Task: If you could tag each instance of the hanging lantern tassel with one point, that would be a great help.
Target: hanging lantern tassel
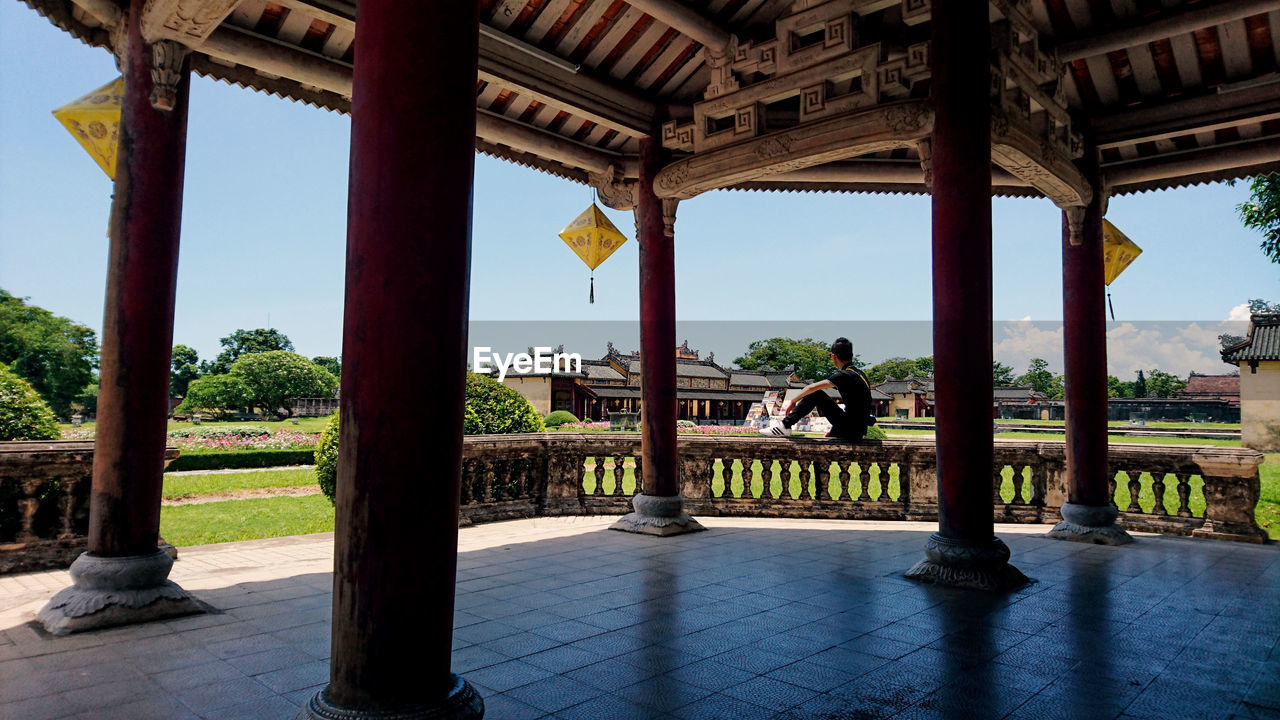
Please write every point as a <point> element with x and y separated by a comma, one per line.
<point>592,297</point>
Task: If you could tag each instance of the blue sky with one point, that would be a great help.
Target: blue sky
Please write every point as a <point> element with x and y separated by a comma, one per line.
<point>264,231</point>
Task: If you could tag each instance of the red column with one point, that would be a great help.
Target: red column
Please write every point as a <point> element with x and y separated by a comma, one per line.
<point>965,551</point>
<point>1088,514</point>
<point>137,327</point>
<point>962,267</point>
<point>1085,349</point>
<point>657,332</point>
<point>408,269</point>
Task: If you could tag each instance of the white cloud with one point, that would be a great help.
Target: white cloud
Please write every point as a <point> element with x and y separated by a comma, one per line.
<point>1172,347</point>
<point>1024,340</point>
<point>1239,313</point>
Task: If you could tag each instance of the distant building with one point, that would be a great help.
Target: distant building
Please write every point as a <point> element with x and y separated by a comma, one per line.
<point>1022,402</point>
<point>1258,358</point>
<point>906,398</point>
<point>705,391</point>
<point>1212,387</point>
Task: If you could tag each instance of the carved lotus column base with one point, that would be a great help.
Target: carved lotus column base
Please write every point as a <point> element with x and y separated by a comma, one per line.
<point>111,591</point>
<point>657,515</point>
<point>957,563</point>
<point>1090,524</point>
<point>462,703</point>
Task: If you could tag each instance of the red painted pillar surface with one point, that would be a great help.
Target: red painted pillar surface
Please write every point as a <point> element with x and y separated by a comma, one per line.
<point>1088,515</point>
<point>962,267</point>
<point>964,552</point>
<point>404,338</point>
<point>1085,345</point>
<point>657,333</point>
<point>137,327</point>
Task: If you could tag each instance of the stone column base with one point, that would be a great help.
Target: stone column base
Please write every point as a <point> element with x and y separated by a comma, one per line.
<point>657,515</point>
<point>1090,524</point>
<point>462,703</point>
<point>116,591</point>
<point>957,563</point>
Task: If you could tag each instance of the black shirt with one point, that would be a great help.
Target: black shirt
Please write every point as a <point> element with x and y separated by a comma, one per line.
<point>855,391</point>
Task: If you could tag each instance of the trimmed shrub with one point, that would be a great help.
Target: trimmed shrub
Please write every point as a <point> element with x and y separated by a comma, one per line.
<point>24,415</point>
<point>274,379</point>
<point>217,394</point>
<point>558,418</point>
<point>241,459</point>
<point>326,458</point>
<point>875,432</point>
<point>493,408</point>
<point>686,423</point>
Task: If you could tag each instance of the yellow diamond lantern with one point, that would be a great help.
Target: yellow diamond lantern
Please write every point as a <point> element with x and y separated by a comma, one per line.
<point>1117,252</point>
<point>94,120</point>
<point>593,238</point>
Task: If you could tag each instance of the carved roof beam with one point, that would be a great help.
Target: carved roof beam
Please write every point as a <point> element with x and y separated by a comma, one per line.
<point>875,171</point>
<point>1189,115</point>
<point>688,21</point>
<point>860,132</point>
<point>1224,157</point>
<point>1171,23</point>
<point>1042,162</point>
<point>499,130</point>
<point>566,89</point>
<point>189,22</point>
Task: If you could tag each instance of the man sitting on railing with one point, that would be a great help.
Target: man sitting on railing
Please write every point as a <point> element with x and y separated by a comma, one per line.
<point>849,423</point>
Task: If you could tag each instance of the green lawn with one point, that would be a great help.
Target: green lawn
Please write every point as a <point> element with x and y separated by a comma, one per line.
<point>179,486</point>
<point>1268,514</point>
<point>234,520</point>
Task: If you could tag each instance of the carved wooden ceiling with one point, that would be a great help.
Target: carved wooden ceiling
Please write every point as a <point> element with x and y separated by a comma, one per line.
<point>796,94</point>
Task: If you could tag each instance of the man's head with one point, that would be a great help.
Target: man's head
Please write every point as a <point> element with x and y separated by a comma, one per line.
<point>842,351</point>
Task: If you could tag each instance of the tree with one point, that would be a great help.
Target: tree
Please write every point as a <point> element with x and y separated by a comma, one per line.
<point>811,358</point>
<point>924,365</point>
<point>1041,380</point>
<point>186,367</point>
<point>246,342</point>
<point>334,365</point>
<point>1163,384</point>
<point>1002,374</point>
<point>900,368</point>
<point>274,379</point>
<point>1140,386</point>
<point>54,354</point>
<point>1261,212</point>
<point>24,415</point>
<point>217,394</point>
<point>1116,388</point>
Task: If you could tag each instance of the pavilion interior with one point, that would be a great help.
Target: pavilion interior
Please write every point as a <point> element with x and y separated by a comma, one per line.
<point>754,618</point>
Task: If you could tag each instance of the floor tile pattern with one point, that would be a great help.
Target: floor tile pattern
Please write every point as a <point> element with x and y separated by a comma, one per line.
<point>561,618</point>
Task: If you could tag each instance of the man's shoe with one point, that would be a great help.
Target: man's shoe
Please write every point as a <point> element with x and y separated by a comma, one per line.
<point>776,429</point>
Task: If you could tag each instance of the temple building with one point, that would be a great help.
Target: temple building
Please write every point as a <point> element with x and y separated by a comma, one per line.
<point>706,391</point>
<point>1258,358</point>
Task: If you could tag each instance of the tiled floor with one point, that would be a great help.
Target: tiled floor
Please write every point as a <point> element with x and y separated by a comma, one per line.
<point>753,619</point>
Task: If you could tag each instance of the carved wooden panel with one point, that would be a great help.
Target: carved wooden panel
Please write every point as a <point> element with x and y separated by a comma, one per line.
<point>187,21</point>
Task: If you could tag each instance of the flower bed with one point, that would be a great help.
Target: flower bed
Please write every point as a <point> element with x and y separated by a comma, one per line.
<point>231,438</point>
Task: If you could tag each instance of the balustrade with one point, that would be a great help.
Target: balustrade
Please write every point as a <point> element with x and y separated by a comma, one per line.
<point>1185,490</point>
<point>44,502</point>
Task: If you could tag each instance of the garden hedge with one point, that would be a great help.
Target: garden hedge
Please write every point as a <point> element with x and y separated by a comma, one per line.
<point>241,459</point>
